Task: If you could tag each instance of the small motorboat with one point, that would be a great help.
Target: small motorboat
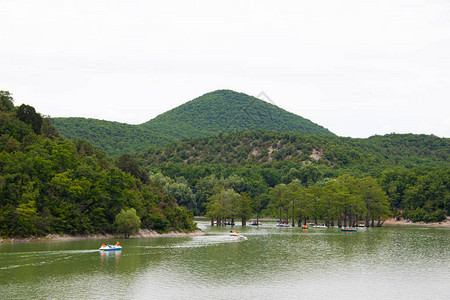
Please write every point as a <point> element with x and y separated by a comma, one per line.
<point>305,226</point>
<point>234,233</point>
<point>361,225</point>
<point>283,224</point>
<point>348,229</point>
<point>108,247</point>
<point>229,223</point>
<point>254,223</point>
<point>320,226</point>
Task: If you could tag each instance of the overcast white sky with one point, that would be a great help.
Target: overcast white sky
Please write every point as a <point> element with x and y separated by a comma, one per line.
<point>358,68</point>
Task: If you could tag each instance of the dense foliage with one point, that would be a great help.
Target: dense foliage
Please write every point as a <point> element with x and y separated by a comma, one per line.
<point>51,185</point>
<point>112,137</point>
<point>212,113</point>
<point>255,162</point>
<point>346,199</point>
<point>284,148</point>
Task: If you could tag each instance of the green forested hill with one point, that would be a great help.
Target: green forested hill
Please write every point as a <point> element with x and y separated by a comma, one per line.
<point>229,111</point>
<point>287,148</point>
<point>52,185</point>
<point>113,137</point>
<point>212,113</point>
<point>412,170</point>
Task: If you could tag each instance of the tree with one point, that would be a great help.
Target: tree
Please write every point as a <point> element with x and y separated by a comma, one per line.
<point>27,114</point>
<point>308,174</point>
<point>375,200</point>
<point>223,205</point>
<point>244,208</point>
<point>129,165</point>
<point>128,222</point>
<point>183,194</point>
<point>280,200</point>
<point>6,101</point>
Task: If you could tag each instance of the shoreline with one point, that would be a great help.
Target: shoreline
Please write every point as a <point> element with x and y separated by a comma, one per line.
<point>388,222</point>
<point>403,222</point>
<point>142,233</point>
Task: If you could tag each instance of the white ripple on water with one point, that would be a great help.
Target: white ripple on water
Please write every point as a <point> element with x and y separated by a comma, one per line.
<point>201,241</point>
<point>41,253</point>
<point>23,256</point>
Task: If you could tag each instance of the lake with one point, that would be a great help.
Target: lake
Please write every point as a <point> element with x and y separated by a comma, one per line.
<point>264,263</point>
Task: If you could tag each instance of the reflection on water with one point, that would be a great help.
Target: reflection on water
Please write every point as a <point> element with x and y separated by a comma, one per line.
<point>264,262</point>
<point>110,255</point>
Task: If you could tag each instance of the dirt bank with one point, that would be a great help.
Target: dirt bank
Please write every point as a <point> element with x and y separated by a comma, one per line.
<point>141,234</point>
<point>403,222</point>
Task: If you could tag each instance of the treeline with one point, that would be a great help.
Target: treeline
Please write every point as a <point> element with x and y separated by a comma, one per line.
<point>412,170</point>
<point>51,185</point>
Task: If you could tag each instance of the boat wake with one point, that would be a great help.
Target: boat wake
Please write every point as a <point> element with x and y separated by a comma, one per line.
<point>202,241</point>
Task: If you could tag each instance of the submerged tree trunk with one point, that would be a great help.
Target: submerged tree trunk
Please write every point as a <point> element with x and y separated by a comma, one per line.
<point>373,221</point>
<point>244,222</point>
<point>379,223</point>
<point>212,222</point>
<point>332,222</point>
<point>280,214</point>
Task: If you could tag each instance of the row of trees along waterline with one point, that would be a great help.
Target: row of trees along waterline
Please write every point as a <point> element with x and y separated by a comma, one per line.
<point>343,201</point>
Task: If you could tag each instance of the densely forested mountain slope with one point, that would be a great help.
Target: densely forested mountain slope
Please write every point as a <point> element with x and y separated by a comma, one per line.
<point>286,148</point>
<point>212,113</point>
<point>113,137</point>
<point>412,170</point>
<point>52,185</point>
<point>229,111</point>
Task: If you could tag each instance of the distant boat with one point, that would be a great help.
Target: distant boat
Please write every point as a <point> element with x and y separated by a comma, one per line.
<point>361,225</point>
<point>229,223</point>
<point>283,224</point>
<point>305,226</point>
<point>348,229</point>
<point>234,233</point>
<point>110,248</point>
<point>320,226</point>
<point>254,223</point>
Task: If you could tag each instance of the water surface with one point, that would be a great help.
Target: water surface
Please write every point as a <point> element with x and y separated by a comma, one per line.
<point>267,262</point>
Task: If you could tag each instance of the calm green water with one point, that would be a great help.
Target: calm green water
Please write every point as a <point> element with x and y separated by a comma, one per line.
<point>268,262</point>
